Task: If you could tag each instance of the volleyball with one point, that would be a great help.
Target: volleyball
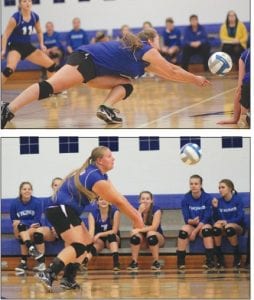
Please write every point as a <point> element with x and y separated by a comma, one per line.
<point>190,153</point>
<point>220,63</point>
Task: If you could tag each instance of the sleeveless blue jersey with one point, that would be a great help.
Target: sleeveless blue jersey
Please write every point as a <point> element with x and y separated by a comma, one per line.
<point>100,225</point>
<point>23,30</point>
<point>154,210</point>
<point>113,58</point>
<point>68,193</point>
<point>201,207</point>
<point>231,211</point>
<point>245,57</point>
<point>28,213</point>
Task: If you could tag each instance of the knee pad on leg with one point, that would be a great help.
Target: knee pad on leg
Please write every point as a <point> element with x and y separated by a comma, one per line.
<point>90,248</point>
<point>111,238</point>
<point>38,238</point>
<point>152,240</point>
<point>128,89</point>
<point>52,68</point>
<point>8,72</point>
<point>135,240</point>
<point>45,90</point>
<point>79,248</point>
<point>183,234</point>
<point>230,231</point>
<point>21,227</point>
<point>217,231</point>
<point>207,232</point>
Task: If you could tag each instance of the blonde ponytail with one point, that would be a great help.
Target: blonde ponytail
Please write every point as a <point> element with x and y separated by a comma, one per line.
<point>131,41</point>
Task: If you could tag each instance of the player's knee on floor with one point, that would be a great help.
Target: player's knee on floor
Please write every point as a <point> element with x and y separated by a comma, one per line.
<point>7,72</point>
<point>217,231</point>
<point>230,231</point>
<point>52,68</point>
<point>111,238</point>
<point>135,240</point>
<point>207,232</point>
<point>152,240</point>
<point>45,90</point>
<point>183,234</point>
<point>38,238</point>
<point>79,248</point>
<point>128,89</point>
<point>21,227</point>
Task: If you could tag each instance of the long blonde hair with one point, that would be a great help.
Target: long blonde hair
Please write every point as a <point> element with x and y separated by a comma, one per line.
<point>96,153</point>
<point>134,42</point>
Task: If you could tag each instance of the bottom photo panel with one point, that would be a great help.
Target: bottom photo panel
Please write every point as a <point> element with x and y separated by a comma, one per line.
<point>112,217</point>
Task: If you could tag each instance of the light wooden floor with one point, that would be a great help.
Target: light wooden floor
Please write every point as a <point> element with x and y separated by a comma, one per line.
<point>155,103</point>
<point>146,284</point>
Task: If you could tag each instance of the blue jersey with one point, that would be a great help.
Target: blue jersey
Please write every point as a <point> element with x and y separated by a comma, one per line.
<point>53,40</point>
<point>23,30</point>
<point>77,38</point>
<point>231,211</point>
<point>245,57</point>
<point>172,38</point>
<point>113,58</point>
<point>28,213</point>
<point>69,195</point>
<point>103,225</point>
<point>201,207</point>
<point>154,210</point>
<point>193,36</point>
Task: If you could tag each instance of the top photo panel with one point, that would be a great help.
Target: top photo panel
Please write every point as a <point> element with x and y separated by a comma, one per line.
<point>125,64</point>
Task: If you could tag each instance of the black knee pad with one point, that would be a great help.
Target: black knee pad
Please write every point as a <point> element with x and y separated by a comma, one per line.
<point>152,240</point>
<point>183,234</point>
<point>52,68</point>
<point>79,249</point>
<point>90,248</point>
<point>230,231</point>
<point>45,90</point>
<point>7,72</point>
<point>128,89</point>
<point>21,227</point>
<point>135,240</point>
<point>38,238</point>
<point>217,231</point>
<point>111,238</point>
<point>207,232</point>
<point>21,241</point>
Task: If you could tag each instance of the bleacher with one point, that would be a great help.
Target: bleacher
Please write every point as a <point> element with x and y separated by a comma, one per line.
<point>172,221</point>
<point>212,31</point>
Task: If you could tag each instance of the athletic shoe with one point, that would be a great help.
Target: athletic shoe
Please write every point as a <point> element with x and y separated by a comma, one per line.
<point>40,267</point>
<point>209,264</point>
<point>133,266</point>
<point>69,284</point>
<point>109,115</point>
<point>6,115</point>
<point>35,253</point>
<point>47,279</point>
<point>116,267</point>
<point>237,261</point>
<point>220,262</point>
<point>156,265</point>
<point>22,267</point>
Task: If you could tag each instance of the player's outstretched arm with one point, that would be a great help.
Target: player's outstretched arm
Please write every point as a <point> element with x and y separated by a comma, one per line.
<point>166,70</point>
<point>106,190</point>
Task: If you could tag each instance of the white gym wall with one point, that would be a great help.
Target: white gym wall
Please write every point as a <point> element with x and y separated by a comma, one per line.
<point>101,14</point>
<point>161,171</point>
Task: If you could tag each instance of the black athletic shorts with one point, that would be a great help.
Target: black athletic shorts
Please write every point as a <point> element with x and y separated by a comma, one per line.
<point>23,49</point>
<point>245,95</point>
<point>61,217</point>
<point>85,64</point>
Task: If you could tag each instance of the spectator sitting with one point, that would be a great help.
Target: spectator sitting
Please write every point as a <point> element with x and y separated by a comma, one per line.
<point>171,41</point>
<point>147,25</point>
<point>195,42</point>
<point>100,36</point>
<point>234,36</point>
<point>76,37</point>
<point>124,29</point>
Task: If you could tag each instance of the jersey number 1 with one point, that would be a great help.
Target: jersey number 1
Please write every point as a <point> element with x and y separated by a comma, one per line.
<point>27,30</point>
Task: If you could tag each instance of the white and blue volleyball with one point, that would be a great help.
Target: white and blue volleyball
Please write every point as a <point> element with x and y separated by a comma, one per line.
<point>220,63</point>
<point>190,153</point>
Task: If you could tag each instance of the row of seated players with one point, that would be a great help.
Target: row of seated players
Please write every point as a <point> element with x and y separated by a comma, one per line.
<point>233,36</point>
<point>204,216</point>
